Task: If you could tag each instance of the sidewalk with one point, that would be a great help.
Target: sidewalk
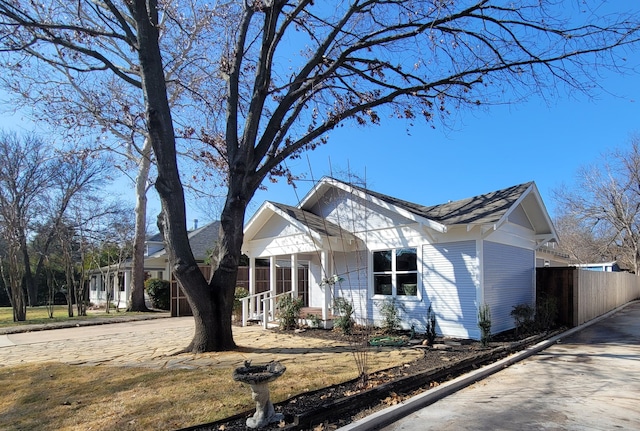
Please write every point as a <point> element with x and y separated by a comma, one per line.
<point>586,378</point>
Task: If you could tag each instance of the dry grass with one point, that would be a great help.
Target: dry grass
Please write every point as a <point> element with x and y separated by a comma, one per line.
<point>54,396</point>
<point>40,315</point>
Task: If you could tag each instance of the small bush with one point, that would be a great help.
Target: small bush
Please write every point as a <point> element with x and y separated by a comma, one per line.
<point>431,326</point>
<point>240,293</point>
<point>288,311</point>
<point>523,316</point>
<point>546,312</point>
<point>315,320</point>
<point>159,292</point>
<point>344,308</point>
<point>484,323</point>
<point>390,310</point>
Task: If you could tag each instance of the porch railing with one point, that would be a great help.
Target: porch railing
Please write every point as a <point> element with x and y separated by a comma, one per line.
<point>261,306</point>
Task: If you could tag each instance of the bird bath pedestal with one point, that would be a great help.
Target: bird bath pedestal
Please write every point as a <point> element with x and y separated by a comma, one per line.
<point>258,377</point>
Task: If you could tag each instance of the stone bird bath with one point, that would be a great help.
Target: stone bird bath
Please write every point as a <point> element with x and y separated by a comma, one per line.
<point>258,377</point>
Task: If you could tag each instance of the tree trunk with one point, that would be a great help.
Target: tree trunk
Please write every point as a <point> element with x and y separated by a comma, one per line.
<point>212,304</point>
<point>16,277</point>
<point>172,220</point>
<point>136,301</point>
<point>29,282</point>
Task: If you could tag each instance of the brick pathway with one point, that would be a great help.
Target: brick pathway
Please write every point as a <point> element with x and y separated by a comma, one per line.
<point>156,343</point>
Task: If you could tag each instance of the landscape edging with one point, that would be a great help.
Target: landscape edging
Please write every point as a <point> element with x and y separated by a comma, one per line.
<point>391,414</point>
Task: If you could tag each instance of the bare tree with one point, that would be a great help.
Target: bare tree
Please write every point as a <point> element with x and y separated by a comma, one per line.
<point>606,199</point>
<point>114,111</point>
<point>76,175</point>
<point>37,184</point>
<point>288,72</point>
<point>584,241</point>
<point>25,175</point>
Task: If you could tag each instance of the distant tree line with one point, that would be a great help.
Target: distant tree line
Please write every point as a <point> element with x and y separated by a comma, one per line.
<point>56,223</point>
<point>598,218</point>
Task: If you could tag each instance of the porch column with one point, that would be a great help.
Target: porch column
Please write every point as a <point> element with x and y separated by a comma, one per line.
<point>325,272</point>
<point>272,286</point>
<point>294,276</point>
<point>252,275</point>
<point>249,308</point>
<point>127,287</point>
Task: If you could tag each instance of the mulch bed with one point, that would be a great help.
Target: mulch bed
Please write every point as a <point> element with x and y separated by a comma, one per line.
<point>332,407</point>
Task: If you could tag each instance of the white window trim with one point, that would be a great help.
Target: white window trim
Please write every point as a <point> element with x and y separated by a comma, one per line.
<point>394,293</point>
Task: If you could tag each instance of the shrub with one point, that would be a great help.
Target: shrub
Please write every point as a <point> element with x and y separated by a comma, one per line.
<point>484,323</point>
<point>523,315</point>
<point>344,322</point>
<point>288,311</point>
<point>159,292</point>
<point>315,320</point>
<point>390,310</point>
<point>431,326</point>
<point>240,293</point>
<point>546,312</point>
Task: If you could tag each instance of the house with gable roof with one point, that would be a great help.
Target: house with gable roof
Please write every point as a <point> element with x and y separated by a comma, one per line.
<point>368,248</point>
<point>115,282</point>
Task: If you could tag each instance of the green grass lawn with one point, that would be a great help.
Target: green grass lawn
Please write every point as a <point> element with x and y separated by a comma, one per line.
<point>38,315</point>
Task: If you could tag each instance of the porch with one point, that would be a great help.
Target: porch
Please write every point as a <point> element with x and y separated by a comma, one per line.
<point>296,276</point>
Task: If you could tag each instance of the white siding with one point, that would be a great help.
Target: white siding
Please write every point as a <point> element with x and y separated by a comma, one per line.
<point>508,281</point>
<point>316,294</point>
<point>274,227</point>
<point>356,215</point>
<point>352,268</point>
<point>450,280</point>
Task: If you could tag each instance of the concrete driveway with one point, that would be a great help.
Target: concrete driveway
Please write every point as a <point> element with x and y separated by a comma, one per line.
<point>589,380</point>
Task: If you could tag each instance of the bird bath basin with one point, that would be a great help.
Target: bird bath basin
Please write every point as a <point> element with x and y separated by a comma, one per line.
<point>258,377</point>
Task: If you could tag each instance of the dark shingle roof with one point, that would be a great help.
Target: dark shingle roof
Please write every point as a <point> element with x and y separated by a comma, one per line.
<point>482,209</point>
<point>201,240</point>
<point>314,222</point>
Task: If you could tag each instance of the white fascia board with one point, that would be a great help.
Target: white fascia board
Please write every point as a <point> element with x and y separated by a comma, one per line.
<point>316,190</point>
<point>506,215</point>
<point>545,213</point>
<point>543,239</point>
<point>254,224</point>
<point>303,228</point>
<point>433,225</point>
<point>438,227</point>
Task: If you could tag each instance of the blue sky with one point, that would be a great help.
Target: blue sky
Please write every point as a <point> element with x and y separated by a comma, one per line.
<point>485,150</point>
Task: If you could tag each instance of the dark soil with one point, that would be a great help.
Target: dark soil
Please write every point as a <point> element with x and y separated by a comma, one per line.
<point>339,405</point>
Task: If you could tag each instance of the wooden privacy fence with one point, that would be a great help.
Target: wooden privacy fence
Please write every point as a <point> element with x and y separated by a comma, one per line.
<point>583,295</point>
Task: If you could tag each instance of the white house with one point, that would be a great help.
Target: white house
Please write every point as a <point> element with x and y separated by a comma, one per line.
<point>116,282</point>
<point>368,247</point>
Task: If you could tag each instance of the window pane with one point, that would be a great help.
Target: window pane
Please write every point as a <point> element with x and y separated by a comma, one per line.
<point>382,261</point>
<point>382,285</point>
<point>406,259</point>
<point>407,284</point>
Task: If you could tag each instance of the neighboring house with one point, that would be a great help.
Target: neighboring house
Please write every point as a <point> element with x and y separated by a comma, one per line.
<point>602,266</point>
<point>549,255</point>
<point>156,265</point>
<point>368,248</point>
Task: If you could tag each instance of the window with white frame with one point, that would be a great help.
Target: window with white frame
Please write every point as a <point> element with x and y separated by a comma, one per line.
<point>395,272</point>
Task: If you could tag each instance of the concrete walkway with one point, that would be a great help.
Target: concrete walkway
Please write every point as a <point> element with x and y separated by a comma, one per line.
<point>156,344</point>
<point>587,380</point>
